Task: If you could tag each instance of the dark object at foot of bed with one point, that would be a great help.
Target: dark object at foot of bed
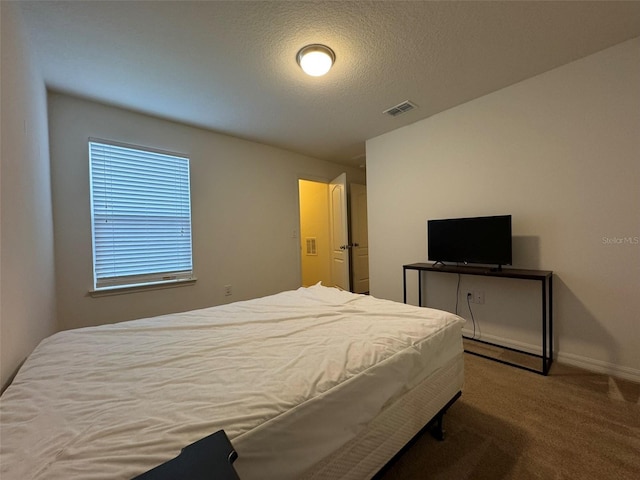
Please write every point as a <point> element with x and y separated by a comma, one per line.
<point>208,458</point>
<point>435,428</point>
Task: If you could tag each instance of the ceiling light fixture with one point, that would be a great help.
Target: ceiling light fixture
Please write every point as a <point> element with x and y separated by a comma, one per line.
<point>316,59</point>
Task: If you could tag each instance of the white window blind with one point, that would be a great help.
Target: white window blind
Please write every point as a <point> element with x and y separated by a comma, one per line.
<point>141,216</point>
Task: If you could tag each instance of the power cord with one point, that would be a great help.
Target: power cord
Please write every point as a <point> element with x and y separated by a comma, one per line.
<point>457,293</point>
<point>473,320</point>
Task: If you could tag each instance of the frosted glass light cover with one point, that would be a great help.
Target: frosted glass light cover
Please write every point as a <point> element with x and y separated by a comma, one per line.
<point>316,60</point>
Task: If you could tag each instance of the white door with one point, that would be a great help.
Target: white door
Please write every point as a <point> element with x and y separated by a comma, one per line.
<point>359,238</point>
<point>339,232</point>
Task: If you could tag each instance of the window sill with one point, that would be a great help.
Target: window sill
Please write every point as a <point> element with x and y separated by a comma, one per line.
<point>124,289</point>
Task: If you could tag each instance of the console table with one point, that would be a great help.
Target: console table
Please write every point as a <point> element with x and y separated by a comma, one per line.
<point>545,277</point>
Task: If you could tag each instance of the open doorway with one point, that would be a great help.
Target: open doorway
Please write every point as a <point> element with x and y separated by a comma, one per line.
<point>333,234</point>
<point>315,261</point>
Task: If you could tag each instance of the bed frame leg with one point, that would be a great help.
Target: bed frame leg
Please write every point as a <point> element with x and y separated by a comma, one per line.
<point>437,430</point>
<point>436,426</point>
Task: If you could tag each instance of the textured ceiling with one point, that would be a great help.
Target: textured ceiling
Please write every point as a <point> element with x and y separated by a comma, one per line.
<point>230,66</point>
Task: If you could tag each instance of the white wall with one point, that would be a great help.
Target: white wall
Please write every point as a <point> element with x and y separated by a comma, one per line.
<point>27,302</point>
<point>560,152</point>
<point>244,212</point>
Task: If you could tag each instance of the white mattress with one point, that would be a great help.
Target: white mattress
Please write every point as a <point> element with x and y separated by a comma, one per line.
<point>291,378</point>
<point>387,433</point>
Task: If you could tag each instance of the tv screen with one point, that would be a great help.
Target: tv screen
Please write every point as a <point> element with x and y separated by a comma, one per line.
<point>484,240</point>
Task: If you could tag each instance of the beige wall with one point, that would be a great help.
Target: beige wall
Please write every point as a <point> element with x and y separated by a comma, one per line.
<point>27,302</point>
<point>560,152</point>
<point>244,212</point>
<point>314,222</point>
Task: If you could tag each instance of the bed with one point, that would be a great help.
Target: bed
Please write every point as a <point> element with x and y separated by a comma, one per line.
<point>311,383</point>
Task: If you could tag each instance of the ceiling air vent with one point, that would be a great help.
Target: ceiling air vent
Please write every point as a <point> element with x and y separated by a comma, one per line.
<point>400,108</point>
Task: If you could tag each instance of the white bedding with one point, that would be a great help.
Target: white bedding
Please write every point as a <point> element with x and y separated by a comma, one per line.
<point>289,377</point>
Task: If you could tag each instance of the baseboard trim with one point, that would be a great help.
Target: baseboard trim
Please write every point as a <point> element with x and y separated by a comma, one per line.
<point>505,342</point>
<point>586,363</point>
<point>599,366</point>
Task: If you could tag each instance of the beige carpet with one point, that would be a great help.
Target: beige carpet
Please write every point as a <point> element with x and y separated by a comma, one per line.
<point>514,424</point>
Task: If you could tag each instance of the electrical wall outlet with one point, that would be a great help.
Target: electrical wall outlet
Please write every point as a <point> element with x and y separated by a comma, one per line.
<point>478,296</point>
<point>227,290</point>
<point>470,297</point>
<point>475,296</point>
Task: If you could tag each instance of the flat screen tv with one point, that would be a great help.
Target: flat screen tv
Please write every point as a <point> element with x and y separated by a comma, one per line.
<point>484,240</point>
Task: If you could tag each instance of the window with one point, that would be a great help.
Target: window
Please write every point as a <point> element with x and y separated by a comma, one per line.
<point>140,215</point>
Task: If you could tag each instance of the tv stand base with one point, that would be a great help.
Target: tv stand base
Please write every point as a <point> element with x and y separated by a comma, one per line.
<point>545,278</point>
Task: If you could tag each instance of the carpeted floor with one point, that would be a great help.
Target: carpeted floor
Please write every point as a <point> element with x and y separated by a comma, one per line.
<point>514,424</point>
